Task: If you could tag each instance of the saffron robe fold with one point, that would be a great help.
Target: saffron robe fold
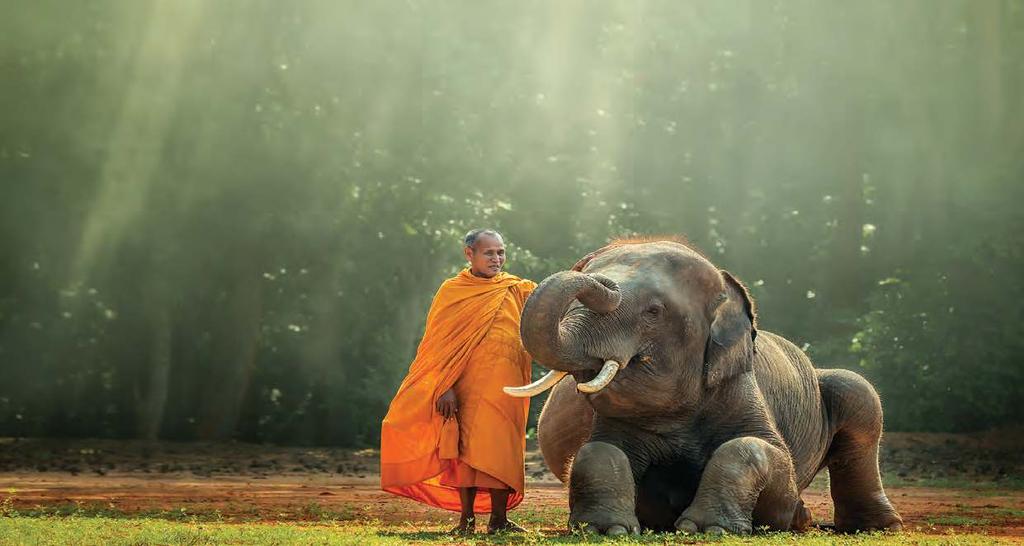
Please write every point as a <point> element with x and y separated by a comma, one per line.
<point>472,321</point>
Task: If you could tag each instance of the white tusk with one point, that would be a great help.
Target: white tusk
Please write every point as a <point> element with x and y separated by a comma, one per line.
<point>537,387</point>
<point>604,377</point>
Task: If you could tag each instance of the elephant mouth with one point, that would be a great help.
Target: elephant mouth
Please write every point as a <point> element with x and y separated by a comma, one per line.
<point>588,380</point>
<point>584,376</point>
<point>589,376</point>
<point>600,380</point>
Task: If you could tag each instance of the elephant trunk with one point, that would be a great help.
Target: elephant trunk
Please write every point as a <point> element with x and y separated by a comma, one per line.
<point>545,334</point>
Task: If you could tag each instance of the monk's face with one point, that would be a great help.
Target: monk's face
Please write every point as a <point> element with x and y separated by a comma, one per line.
<point>486,257</point>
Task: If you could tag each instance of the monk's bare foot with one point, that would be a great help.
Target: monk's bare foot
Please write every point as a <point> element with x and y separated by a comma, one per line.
<point>505,526</point>
<point>466,526</point>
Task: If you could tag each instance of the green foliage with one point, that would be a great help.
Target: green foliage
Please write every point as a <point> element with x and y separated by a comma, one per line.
<point>226,220</point>
<point>943,345</point>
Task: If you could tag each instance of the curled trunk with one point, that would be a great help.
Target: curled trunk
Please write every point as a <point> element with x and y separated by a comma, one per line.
<point>544,333</point>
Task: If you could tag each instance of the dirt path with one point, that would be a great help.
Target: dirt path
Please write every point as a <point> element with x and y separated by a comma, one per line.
<point>314,497</point>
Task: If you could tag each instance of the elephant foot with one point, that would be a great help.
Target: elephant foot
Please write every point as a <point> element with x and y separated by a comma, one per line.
<point>873,513</point>
<point>605,524</point>
<point>885,521</point>
<point>601,491</point>
<point>744,474</point>
<point>891,527</point>
<point>695,520</point>
<point>802,519</point>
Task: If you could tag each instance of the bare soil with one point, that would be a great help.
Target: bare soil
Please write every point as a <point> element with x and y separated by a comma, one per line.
<point>938,482</point>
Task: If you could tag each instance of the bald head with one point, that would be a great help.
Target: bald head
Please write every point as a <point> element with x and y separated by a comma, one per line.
<point>474,234</point>
<point>485,252</point>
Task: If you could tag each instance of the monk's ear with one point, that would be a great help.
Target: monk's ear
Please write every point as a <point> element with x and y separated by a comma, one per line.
<point>729,350</point>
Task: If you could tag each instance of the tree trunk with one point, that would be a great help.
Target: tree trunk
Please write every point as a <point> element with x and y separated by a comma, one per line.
<point>236,347</point>
<point>151,409</point>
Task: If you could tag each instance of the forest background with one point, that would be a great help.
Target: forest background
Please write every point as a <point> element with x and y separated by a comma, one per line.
<point>226,220</point>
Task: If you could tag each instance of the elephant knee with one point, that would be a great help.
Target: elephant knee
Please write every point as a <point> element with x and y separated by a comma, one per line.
<point>601,487</point>
<point>744,459</point>
<point>599,463</point>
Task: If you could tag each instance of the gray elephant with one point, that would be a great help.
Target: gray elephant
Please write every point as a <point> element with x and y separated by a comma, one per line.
<point>672,411</point>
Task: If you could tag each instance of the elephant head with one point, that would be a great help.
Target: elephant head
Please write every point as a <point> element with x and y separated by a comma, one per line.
<point>644,327</point>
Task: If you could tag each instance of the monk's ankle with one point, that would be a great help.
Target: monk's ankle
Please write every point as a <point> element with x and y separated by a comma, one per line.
<point>503,525</point>
<point>467,526</point>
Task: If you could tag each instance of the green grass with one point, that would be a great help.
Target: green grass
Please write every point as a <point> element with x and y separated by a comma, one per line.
<point>312,523</point>
<point>992,510</point>
<point>961,521</point>
<point>80,510</point>
<point>1008,484</point>
<point>116,531</point>
<point>310,512</point>
<point>1004,512</point>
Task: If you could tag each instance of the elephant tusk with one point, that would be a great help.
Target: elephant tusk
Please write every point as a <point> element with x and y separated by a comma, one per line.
<point>604,377</point>
<point>537,387</point>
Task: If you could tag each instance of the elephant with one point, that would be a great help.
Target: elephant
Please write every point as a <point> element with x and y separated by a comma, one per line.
<point>671,411</point>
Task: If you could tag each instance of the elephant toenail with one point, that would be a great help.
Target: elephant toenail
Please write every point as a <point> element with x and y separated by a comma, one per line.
<point>714,530</point>
<point>687,526</point>
<point>616,531</point>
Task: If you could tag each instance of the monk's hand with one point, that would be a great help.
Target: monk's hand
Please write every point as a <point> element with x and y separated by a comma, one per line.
<point>447,405</point>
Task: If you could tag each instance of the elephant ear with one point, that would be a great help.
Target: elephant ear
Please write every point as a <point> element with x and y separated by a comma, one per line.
<point>730,346</point>
<point>584,261</point>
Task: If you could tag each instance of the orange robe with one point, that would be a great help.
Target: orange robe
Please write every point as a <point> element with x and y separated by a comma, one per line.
<point>471,343</point>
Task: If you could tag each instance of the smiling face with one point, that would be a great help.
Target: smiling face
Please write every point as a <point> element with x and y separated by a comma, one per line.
<point>487,255</point>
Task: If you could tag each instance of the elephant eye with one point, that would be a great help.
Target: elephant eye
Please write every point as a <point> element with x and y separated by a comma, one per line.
<point>653,310</point>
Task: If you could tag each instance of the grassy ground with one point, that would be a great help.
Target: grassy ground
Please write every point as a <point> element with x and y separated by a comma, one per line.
<point>93,524</point>
<point>950,489</point>
<point>955,517</point>
<point>116,531</point>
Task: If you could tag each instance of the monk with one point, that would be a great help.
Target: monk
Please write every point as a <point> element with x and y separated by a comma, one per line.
<point>450,430</point>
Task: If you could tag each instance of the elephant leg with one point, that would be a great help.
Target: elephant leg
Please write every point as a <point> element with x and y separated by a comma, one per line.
<point>802,519</point>
<point>746,480</point>
<point>855,417</point>
<point>602,493</point>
